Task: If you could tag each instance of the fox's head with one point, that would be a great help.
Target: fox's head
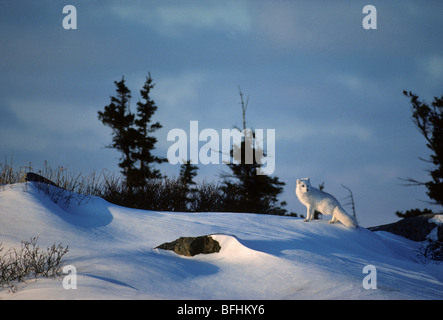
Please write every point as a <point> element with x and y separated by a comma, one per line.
<point>304,184</point>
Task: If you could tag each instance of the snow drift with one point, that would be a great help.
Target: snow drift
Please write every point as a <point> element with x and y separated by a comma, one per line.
<point>261,256</point>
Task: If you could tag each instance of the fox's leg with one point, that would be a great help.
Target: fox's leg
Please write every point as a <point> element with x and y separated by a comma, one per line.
<point>333,220</point>
<point>309,213</point>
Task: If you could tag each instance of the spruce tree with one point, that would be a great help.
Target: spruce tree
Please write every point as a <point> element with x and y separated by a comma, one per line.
<point>245,190</point>
<point>132,134</point>
<point>145,141</point>
<point>119,118</point>
<point>188,172</point>
<point>429,121</point>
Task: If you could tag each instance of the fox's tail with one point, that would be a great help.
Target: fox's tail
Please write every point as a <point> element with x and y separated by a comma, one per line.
<point>344,218</point>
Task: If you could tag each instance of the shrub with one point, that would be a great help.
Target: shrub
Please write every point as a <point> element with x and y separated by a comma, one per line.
<point>412,213</point>
<point>206,197</point>
<point>159,194</point>
<point>30,262</point>
<point>429,251</point>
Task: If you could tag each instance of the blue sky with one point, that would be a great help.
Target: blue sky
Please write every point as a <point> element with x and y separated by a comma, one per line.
<point>331,89</point>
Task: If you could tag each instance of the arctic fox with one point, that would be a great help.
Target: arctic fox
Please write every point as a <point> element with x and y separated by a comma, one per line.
<point>315,199</point>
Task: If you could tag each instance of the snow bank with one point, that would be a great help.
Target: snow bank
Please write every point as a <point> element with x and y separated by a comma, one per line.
<point>261,256</point>
<point>437,219</point>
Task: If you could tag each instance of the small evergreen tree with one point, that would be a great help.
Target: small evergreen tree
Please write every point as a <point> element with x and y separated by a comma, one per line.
<point>429,121</point>
<point>119,118</point>
<point>188,172</point>
<point>144,140</point>
<point>132,133</point>
<point>245,190</point>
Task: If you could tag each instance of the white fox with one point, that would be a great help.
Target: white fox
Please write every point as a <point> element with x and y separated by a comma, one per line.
<point>315,199</point>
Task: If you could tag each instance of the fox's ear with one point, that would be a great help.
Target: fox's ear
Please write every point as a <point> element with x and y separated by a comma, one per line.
<point>298,181</point>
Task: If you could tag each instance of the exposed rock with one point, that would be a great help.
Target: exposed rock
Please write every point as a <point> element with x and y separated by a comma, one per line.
<point>190,246</point>
<point>31,176</point>
<point>415,228</point>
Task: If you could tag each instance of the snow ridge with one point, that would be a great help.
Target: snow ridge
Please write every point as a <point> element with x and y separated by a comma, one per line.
<point>261,256</point>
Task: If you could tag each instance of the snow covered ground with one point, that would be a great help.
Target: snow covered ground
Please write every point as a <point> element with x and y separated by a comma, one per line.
<point>261,257</point>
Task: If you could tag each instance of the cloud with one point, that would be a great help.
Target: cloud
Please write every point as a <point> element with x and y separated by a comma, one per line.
<point>178,18</point>
<point>175,91</point>
<point>38,124</point>
<point>434,66</point>
<point>306,25</point>
<point>351,82</point>
<point>336,129</point>
<point>178,101</point>
<point>279,23</point>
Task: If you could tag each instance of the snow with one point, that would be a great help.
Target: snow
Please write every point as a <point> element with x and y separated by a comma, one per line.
<point>261,256</point>
<point>437,219</point>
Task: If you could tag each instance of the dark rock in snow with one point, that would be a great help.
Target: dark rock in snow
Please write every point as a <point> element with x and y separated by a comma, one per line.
<point>415,228</point>
<point>190,246</point>
<point>30,176</point>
